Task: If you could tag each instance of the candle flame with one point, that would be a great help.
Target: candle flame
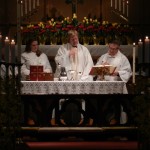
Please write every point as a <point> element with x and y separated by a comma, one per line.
<point>140,40</point>
<point>6,38</point>
<point>133,44</point>
<point>146,37</point>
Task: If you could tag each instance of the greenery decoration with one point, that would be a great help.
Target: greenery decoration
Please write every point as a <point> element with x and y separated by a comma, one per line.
<point>89,27</point>
<point>10,112</point>
<point>142,111</point>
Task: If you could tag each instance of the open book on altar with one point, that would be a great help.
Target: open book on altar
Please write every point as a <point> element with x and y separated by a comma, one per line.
<point>102,70</point>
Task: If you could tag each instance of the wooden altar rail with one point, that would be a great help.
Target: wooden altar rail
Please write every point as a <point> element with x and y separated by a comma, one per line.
<point>86,133</point>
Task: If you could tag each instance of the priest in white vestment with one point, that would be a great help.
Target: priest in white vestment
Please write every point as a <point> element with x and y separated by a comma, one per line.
<point>32,56</point>
<point>75,57</point>
<point>37,112</point>
<point>117,59</point>
<point>122,72</point>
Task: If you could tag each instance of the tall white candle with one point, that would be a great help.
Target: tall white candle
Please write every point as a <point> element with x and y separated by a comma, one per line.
<point>30,1</point>
<point>0,47</point>
<point>115,4</point>
<point>140,51</point>
<point>147,50</point>
<point>111,3</point>
<point>119,5</point>
<point>133,76</point>
<point>38,3</point>
<point>7,50</point>
<point>127,8</point>
<point>33,4</point>
<point>123,7</point>
<point>26,9</point>
<point>21,8</point>
<point>12,51</point>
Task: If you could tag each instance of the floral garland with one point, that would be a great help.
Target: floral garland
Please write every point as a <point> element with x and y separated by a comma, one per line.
<point>55,32</point>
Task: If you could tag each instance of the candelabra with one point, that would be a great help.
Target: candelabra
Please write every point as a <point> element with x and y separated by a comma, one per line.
<point>120,8</point>
<point>28,8</point>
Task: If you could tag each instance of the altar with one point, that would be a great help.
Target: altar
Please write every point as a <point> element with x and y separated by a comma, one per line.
<point>91,92</point>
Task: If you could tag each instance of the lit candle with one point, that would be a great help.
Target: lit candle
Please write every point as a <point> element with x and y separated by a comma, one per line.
<point>119,5</point>
<point>26,10</point>
<point>133,76</point>
<point>123,6</point>
<point>111,3</point>
<point>147,50</point>
<point>7,50</point>
<point>140,51</point>
<point>33,4</point>
<point>127,8</point>
<point>38,3</point>
<point>0,47</point>
<point>12,51</point>
<point>21,8</point>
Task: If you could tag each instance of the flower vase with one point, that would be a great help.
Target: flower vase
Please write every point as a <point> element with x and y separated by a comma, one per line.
<point>53,41</point>
<point>64,40</point>
<point>86,40</point>
<point>96,40</point>
<point>42,42</point>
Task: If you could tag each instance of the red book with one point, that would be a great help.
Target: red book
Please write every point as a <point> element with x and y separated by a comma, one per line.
<point>36,68</point>
<point>39,68</point>
<point>33,69</point>
<point>34,76</point>
<point>36,73</point>
<point>40,76</point>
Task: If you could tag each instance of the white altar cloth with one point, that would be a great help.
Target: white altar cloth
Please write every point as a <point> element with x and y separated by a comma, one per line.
<point>73,87</point>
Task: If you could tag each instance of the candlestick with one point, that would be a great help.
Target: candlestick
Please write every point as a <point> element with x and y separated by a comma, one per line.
<point>140,51</point>
<point>0,47</point>
<point>133,76</point>
<point>7,50</point>
<point>147,50</point>
<point>12,51</point>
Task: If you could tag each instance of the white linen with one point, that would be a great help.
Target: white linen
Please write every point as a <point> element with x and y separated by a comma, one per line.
<point>73,87</point>
<point>83,61</point>
<point>31,58</point>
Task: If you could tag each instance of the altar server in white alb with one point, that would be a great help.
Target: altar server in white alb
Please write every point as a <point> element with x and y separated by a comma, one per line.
<point>76,57</point>
<point>37,111</point>
<point>33,56</point>
<point>122,72</point>
<point>117,59</point>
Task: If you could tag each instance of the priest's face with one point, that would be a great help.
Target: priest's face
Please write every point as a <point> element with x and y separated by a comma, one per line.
<point>113,49</point>
<point>34,46</point>
<point>74,40</point>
